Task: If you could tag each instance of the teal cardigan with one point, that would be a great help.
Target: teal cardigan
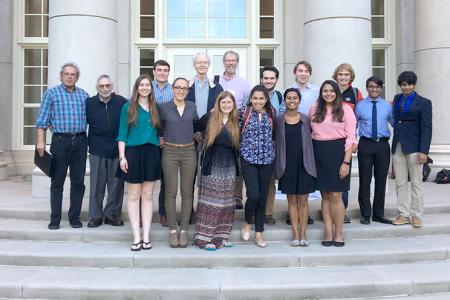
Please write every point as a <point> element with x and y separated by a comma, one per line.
<point>141,133</point>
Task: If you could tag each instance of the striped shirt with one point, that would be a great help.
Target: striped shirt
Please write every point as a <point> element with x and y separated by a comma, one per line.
<point>162,95</point>
<point>62,111</point>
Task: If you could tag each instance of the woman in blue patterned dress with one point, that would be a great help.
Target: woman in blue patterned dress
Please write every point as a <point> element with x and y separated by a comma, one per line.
<point>257,156</point>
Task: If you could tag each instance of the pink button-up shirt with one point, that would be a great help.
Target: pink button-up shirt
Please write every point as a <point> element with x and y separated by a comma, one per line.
<point>329,130</point>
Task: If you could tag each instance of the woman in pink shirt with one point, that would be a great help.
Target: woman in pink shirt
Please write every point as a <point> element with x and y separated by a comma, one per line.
<point>333,128</point>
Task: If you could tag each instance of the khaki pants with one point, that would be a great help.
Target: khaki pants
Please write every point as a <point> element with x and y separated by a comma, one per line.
<point>184,160</point>
<point>405,164</point>
<point>270,197</point>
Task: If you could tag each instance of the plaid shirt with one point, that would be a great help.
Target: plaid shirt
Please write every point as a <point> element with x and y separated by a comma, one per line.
<point>63,111</point>
<point>164,95</point>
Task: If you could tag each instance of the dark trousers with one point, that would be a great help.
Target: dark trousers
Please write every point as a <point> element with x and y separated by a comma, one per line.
<point>162,193</point>
<point>372,156</point>
<point>256,178</point>
<point>102,176</point>
<point>67,152</point>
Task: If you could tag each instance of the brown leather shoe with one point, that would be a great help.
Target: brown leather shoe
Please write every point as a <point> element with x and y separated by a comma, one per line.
<point>269,220</point>
<point>163,220</point>
<point>416,222</point>
<point>183,239</point>
<point>173,238</point>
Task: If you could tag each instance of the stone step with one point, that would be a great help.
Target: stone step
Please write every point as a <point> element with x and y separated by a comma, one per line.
<point>242,255</point>
<point>20,229</point>
<point>225,283</point>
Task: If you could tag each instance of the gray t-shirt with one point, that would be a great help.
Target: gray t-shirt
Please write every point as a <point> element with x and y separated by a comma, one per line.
<point>178,129</point>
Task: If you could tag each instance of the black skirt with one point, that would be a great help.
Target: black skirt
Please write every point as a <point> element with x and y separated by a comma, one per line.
<point>295,180</point>
<point>144,164</point>
<point>329,156</point>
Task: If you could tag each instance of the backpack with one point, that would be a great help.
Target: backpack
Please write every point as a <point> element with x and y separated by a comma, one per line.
<point>442,176</point>
<point>280,97</point>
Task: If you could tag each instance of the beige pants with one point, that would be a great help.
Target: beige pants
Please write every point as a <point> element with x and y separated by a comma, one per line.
<point>405,164</point>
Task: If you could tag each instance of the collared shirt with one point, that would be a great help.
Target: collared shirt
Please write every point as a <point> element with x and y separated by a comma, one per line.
<point>363,113</point>
<point>309,95</point>
<point>63,111</point>
<point>162,95</point>
<point>142,132</point>
<point>238,86</point>
<point>178,129</point>
<point>275,101</point>
<point>201,96</point>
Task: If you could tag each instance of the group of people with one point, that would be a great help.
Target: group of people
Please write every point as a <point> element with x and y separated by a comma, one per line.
<point>222,132</point>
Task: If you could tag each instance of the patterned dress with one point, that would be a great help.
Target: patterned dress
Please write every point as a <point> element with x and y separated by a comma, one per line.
<point>215,208</point>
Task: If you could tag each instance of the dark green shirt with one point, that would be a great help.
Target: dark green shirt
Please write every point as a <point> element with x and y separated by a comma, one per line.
<point>141,133</point>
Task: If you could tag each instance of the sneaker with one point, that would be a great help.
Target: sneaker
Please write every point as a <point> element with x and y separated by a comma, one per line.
<point>401,220</point>
<point>238,204</point>
<point>416,222</point>
<point>347,220</point>
<point>269,220</point>
<point>310,221</point>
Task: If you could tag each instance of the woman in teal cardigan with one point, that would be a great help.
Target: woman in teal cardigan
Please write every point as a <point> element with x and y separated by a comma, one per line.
<point>139,156</point>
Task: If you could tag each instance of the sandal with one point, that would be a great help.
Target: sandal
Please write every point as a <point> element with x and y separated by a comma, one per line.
<point>261,243</point>
<point>294,243</point>
<point>146,245</point>
<point>210,247</point>
<point>245,233</point>
<point>303,243</point>
<point>227,244</point>
<point>137,246</point>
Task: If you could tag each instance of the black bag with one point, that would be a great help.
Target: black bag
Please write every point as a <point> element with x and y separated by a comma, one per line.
<point>442,176</point>
<point>426,169</point>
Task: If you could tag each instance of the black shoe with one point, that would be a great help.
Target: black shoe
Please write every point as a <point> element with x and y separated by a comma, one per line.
<point>53,225</point>
<point>114,221</point>
<point>310,220</point>
<point>76,224</point>
<point>347,220</point>
<point>364,220</point>
<point>238,204</point>
<point>288,220</point>
<point>382,220</point>
<point>327,243</point>
<point>338,244</point>
<point>94,222</point>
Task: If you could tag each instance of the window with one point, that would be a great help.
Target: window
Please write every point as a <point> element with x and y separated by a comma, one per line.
<point>146,60</point>
<point>266,58</point>
<point>266,19</point>
<point>147,19</point>
<point>378,19</point>
<point>379,65</point>
<point>206,19</point>
<point>36,18</point>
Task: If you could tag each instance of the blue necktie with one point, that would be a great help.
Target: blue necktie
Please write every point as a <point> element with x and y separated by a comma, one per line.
<point>374,120</point>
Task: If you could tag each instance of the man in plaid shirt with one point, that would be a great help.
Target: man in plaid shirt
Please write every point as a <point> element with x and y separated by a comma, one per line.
<point>63,111</point>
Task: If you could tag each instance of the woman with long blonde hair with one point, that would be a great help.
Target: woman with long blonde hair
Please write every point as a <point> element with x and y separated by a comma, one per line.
<point>139,158</point>
<point>219,168</point>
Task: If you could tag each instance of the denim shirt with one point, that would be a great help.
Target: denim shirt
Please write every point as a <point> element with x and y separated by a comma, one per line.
<point>257,145</point>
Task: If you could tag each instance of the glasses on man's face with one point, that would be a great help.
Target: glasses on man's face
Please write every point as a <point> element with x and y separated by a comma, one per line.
<point>374,87</point>
<point>106,86</point>
<point>180,88</point>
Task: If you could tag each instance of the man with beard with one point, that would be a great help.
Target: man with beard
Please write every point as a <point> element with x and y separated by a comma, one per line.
<point>103,115</point>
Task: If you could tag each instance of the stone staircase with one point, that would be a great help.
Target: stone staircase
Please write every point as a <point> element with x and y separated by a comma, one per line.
<point>378,261</point>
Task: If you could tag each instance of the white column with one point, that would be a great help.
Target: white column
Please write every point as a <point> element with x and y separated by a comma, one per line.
<point>83,32</point>
<point>432,65</point>
<point>337,32</point>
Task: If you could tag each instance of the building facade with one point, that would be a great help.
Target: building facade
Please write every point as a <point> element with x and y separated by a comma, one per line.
<point>123,38</point>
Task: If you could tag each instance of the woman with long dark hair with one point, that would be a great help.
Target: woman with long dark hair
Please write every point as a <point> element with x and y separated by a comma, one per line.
<point>257,155</point>
<point>140,162</point>
<point>333,132</point>
<point>294,164</point>
<point>219,168</point>
<point>178,156</point>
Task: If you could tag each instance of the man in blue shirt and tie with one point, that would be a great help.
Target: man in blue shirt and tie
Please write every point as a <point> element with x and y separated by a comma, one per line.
<point>373,115</point>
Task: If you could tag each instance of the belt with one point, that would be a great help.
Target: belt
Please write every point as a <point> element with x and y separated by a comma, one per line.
<point>69,134</point>
<point>179,145</point>
<point>375,140</point>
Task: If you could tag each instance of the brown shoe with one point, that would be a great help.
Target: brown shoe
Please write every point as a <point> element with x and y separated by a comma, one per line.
<point>269,220</point>
<point>416,222</point>
<point>163,220</point>
<point>401,220</point>
<point>173,238</point>
<point>183,239</point>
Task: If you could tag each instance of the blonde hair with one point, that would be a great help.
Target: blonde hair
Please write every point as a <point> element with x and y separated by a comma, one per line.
<point>215,123</point>
<point>346,67</point>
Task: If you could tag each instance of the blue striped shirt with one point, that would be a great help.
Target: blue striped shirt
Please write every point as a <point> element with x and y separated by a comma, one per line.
<point>62,111</point>
<point>162,95</point>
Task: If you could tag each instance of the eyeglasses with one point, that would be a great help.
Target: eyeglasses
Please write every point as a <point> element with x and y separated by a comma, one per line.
<point>180,88</point>
<point>374,87</point>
